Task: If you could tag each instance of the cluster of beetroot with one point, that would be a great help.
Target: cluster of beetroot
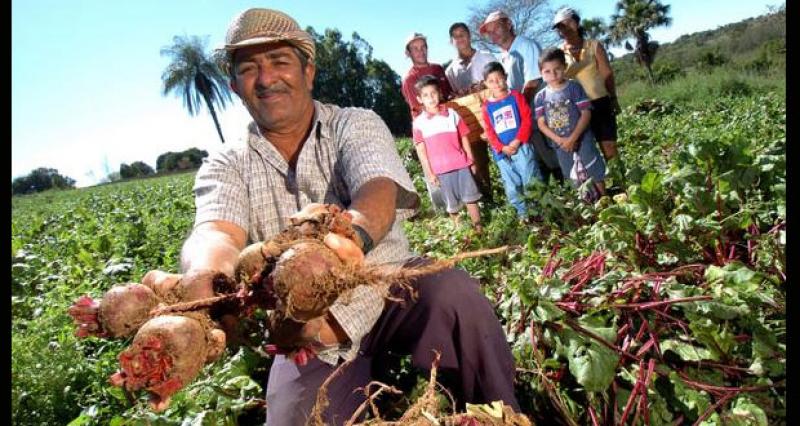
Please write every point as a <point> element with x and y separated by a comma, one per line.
<point>174,327</point>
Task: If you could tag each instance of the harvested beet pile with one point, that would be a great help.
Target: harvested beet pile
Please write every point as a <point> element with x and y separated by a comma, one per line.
<point>295,276</point>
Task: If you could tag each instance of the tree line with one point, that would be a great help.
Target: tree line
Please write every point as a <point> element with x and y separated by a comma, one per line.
<point>45,178</point>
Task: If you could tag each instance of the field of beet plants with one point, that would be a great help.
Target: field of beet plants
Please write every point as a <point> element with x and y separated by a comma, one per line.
<point>661,305</point>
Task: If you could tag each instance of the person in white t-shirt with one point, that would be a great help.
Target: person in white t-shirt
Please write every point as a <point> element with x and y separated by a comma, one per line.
<point>465,72</point>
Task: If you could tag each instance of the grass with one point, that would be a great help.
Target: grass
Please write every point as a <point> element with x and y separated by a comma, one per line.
<point>701,87</point>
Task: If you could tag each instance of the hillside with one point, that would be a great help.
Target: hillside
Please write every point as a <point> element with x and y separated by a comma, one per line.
<point>755,44</point>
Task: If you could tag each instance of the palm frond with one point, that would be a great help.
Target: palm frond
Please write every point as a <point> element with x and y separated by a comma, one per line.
<point>194,76</point>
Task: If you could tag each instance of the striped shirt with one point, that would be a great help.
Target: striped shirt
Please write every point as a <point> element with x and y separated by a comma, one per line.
<point>253,186</point>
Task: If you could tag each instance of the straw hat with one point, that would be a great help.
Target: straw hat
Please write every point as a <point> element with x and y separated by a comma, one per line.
<point>259,26</point>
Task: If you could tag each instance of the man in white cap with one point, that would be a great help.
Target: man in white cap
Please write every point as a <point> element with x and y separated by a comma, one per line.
<point>417,50</point>
<point>299,153</point>
<point>520,58</point>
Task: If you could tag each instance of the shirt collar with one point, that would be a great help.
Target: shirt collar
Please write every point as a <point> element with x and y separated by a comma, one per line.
<point>442,112</point>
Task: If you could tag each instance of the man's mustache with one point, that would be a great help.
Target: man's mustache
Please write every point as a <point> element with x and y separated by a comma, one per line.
<point>278,88</point>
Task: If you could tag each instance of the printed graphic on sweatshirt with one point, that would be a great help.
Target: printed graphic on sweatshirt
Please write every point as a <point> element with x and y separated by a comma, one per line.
<point>504,119</point>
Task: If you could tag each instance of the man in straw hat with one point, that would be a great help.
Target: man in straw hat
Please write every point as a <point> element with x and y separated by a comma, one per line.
<point>300,152</point>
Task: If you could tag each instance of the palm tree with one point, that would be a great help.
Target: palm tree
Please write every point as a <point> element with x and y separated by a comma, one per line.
<point>195,76</point>
<point>634,18</point>
<point>596,29</point>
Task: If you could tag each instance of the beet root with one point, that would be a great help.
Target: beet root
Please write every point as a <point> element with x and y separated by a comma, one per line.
<point>120,312</point>
<point>125,308</point>
<point>305,280</point>
<point>167,353</point>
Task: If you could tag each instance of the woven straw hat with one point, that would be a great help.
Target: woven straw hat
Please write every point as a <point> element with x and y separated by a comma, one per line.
<point>259,26</point>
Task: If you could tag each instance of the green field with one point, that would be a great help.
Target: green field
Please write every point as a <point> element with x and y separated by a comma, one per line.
<point>703,221</point>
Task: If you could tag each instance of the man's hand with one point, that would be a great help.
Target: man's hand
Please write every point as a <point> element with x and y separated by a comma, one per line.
<point>323,332</point>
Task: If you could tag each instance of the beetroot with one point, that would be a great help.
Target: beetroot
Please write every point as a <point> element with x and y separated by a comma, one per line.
<point>304,280</point>
<point>120,312</point>
<point>167,353</point>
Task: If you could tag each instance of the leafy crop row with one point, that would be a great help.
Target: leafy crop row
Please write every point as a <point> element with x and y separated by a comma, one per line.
<point>665,305</point>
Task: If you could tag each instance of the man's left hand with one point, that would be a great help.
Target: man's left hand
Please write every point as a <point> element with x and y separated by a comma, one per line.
<point>323,332</point>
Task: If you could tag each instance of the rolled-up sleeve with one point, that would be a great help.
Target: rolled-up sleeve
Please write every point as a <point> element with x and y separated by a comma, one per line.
<point>220,192</point>
<point>368,151</point>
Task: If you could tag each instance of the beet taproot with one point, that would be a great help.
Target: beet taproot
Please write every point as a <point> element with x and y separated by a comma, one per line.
<point>305,279</point>
<point>166,354</point>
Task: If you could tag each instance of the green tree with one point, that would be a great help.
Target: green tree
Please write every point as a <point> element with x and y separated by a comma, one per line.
<point>39,180</point>
<point>386,99</point>
<point>341,68</point>
<point>596,28</point>
<point>348,75</point>
<point>170,161</point>
<point>135,170</point>
<point>195,76</point>
<point>633,18</point>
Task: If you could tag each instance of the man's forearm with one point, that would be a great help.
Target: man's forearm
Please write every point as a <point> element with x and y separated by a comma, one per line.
<point>212,247</point>
<point>373,207</point>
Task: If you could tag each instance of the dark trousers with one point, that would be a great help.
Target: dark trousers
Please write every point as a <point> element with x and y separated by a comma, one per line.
<point>450,315</point>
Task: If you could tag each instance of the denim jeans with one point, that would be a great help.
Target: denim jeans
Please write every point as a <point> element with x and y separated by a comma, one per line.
<point>516,172</point>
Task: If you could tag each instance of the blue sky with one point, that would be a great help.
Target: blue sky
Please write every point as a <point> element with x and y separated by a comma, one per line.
<point>86,74</point>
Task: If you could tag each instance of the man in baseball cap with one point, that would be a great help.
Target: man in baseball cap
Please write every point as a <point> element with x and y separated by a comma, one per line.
<point>301,153</point>
<point>495,16</point>
<point>416,47</point>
